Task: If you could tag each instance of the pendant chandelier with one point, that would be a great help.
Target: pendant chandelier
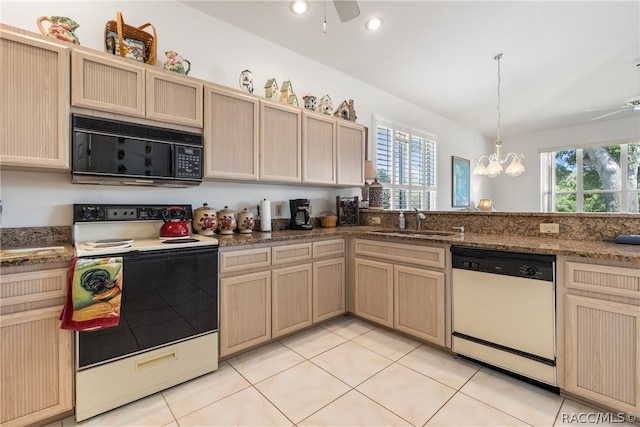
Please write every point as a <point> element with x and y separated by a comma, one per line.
<point>493,167</point>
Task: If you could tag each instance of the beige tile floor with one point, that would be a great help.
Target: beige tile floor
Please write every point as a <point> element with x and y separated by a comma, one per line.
<point>348,373</point>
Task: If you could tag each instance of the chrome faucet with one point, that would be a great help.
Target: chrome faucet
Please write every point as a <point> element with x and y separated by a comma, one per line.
<point>419,217</point>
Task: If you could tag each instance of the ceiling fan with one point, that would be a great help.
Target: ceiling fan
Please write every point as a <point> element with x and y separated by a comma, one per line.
<point>631,104</point>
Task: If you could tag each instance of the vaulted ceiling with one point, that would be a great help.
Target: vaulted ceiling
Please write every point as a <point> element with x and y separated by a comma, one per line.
<point>561,58</point>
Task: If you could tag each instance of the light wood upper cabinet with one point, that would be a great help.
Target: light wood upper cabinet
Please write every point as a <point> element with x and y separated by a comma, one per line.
<point>319,156</point>
<point>173,98</point>
<point>35,89</point>
<point>230,134</point>
<point>280,142</point>
<point>350,139</point>
<point>36,374</point>
<point>107,83</point>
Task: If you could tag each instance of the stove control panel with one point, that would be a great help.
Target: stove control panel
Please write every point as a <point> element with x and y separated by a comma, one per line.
<point>96,213</point>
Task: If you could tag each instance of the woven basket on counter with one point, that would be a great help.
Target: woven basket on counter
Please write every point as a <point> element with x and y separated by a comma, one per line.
<point>328,219</point>
<point>121,39</point>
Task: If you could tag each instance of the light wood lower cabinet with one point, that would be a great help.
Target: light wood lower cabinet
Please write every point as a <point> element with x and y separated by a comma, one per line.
<point>418,301</point>
<point>602,334</point>
<point>287,287</point>
<point>245,311</point>
<point>401,286</point>
<point>36,356</point>
<point>291,299</point>
<point>35,94</point>
<point>374,291</point>
<point>328,289</point>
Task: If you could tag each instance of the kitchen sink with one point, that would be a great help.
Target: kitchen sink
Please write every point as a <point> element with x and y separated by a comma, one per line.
<point>415,233</point>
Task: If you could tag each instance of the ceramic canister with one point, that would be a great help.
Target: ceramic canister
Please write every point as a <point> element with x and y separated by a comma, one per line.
<point>246,221</point>
<point>226,221</point>
<point>205,220</point>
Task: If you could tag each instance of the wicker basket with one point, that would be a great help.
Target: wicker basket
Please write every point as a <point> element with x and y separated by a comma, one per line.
<point>328,219</point>
<point>127,35</point>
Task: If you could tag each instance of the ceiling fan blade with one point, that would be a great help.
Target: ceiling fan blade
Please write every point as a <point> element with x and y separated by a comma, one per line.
<point>607,115</point>
<point>347,9</point>
<point>621,107</point>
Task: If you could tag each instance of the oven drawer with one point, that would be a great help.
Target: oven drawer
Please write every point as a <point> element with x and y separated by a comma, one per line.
<point>126,380</point>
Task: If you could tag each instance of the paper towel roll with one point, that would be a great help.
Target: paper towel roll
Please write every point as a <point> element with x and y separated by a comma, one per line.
<point>265,215</point>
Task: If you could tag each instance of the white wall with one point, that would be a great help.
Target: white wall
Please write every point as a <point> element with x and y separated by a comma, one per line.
<point>522,194</point>
<point>218,53</point>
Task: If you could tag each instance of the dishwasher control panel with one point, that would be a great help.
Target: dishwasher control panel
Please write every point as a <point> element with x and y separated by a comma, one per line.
<point>516,264</point>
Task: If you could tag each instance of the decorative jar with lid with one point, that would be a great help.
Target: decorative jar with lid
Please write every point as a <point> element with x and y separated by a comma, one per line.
<point>205,220</point>
<point>246,221</point>
<point>226,220</point>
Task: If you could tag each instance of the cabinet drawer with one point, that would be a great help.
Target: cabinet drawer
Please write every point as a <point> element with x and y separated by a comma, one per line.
<point>244,259</point>
<point>32,290</point>
<point>603,278</point>
<point>327,248</point>
<point>414,254</point>
<point>291,253</point>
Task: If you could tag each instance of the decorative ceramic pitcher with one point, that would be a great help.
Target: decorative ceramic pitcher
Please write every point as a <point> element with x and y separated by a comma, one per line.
<point>60,27</point>
<point>174,62</point>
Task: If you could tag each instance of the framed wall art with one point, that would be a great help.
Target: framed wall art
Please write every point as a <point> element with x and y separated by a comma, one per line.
<point>460,182</point>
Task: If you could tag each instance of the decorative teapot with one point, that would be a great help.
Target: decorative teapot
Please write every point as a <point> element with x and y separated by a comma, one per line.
<point>246,221</point>
<point>205,220</point>
<point>226,220</point>
<point>60,27</point>
<point>175,223</point>
<point>174,62</point>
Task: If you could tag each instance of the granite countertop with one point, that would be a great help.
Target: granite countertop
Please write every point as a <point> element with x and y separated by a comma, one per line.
<point>64,252</point>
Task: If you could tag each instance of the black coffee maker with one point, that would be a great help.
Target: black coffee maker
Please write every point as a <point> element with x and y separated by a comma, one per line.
<point>300,214</point>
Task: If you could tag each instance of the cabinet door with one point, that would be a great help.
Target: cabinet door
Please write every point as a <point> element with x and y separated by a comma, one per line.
<point>291,293</point>
<point>280,143</point>
<point>419,303</point>
<point>374,291</point>
<point>173,99</point>
<point>35,91</point>
<point>328,289</point>
<point>350,154</point>
<point>602,352</point>
<point>245,311</point>
<point>318,148</point>
<point>107,83</point>
<point>230,134</point>
<point>37,366</point>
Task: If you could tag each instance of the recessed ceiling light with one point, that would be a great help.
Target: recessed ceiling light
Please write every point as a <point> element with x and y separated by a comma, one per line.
<point>373,24</point>
<point>299,7</point>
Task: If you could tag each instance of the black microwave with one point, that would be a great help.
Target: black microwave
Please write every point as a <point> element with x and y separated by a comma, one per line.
<point>114,152</point>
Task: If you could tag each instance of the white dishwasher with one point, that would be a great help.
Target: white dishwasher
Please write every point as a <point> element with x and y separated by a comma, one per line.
<point>504,310</point>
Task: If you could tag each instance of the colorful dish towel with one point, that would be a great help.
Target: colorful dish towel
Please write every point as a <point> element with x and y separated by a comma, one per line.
<point>93,295</point>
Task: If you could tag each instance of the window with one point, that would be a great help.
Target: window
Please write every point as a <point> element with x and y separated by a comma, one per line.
<point>591,179</point>
<point>406,166</point>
